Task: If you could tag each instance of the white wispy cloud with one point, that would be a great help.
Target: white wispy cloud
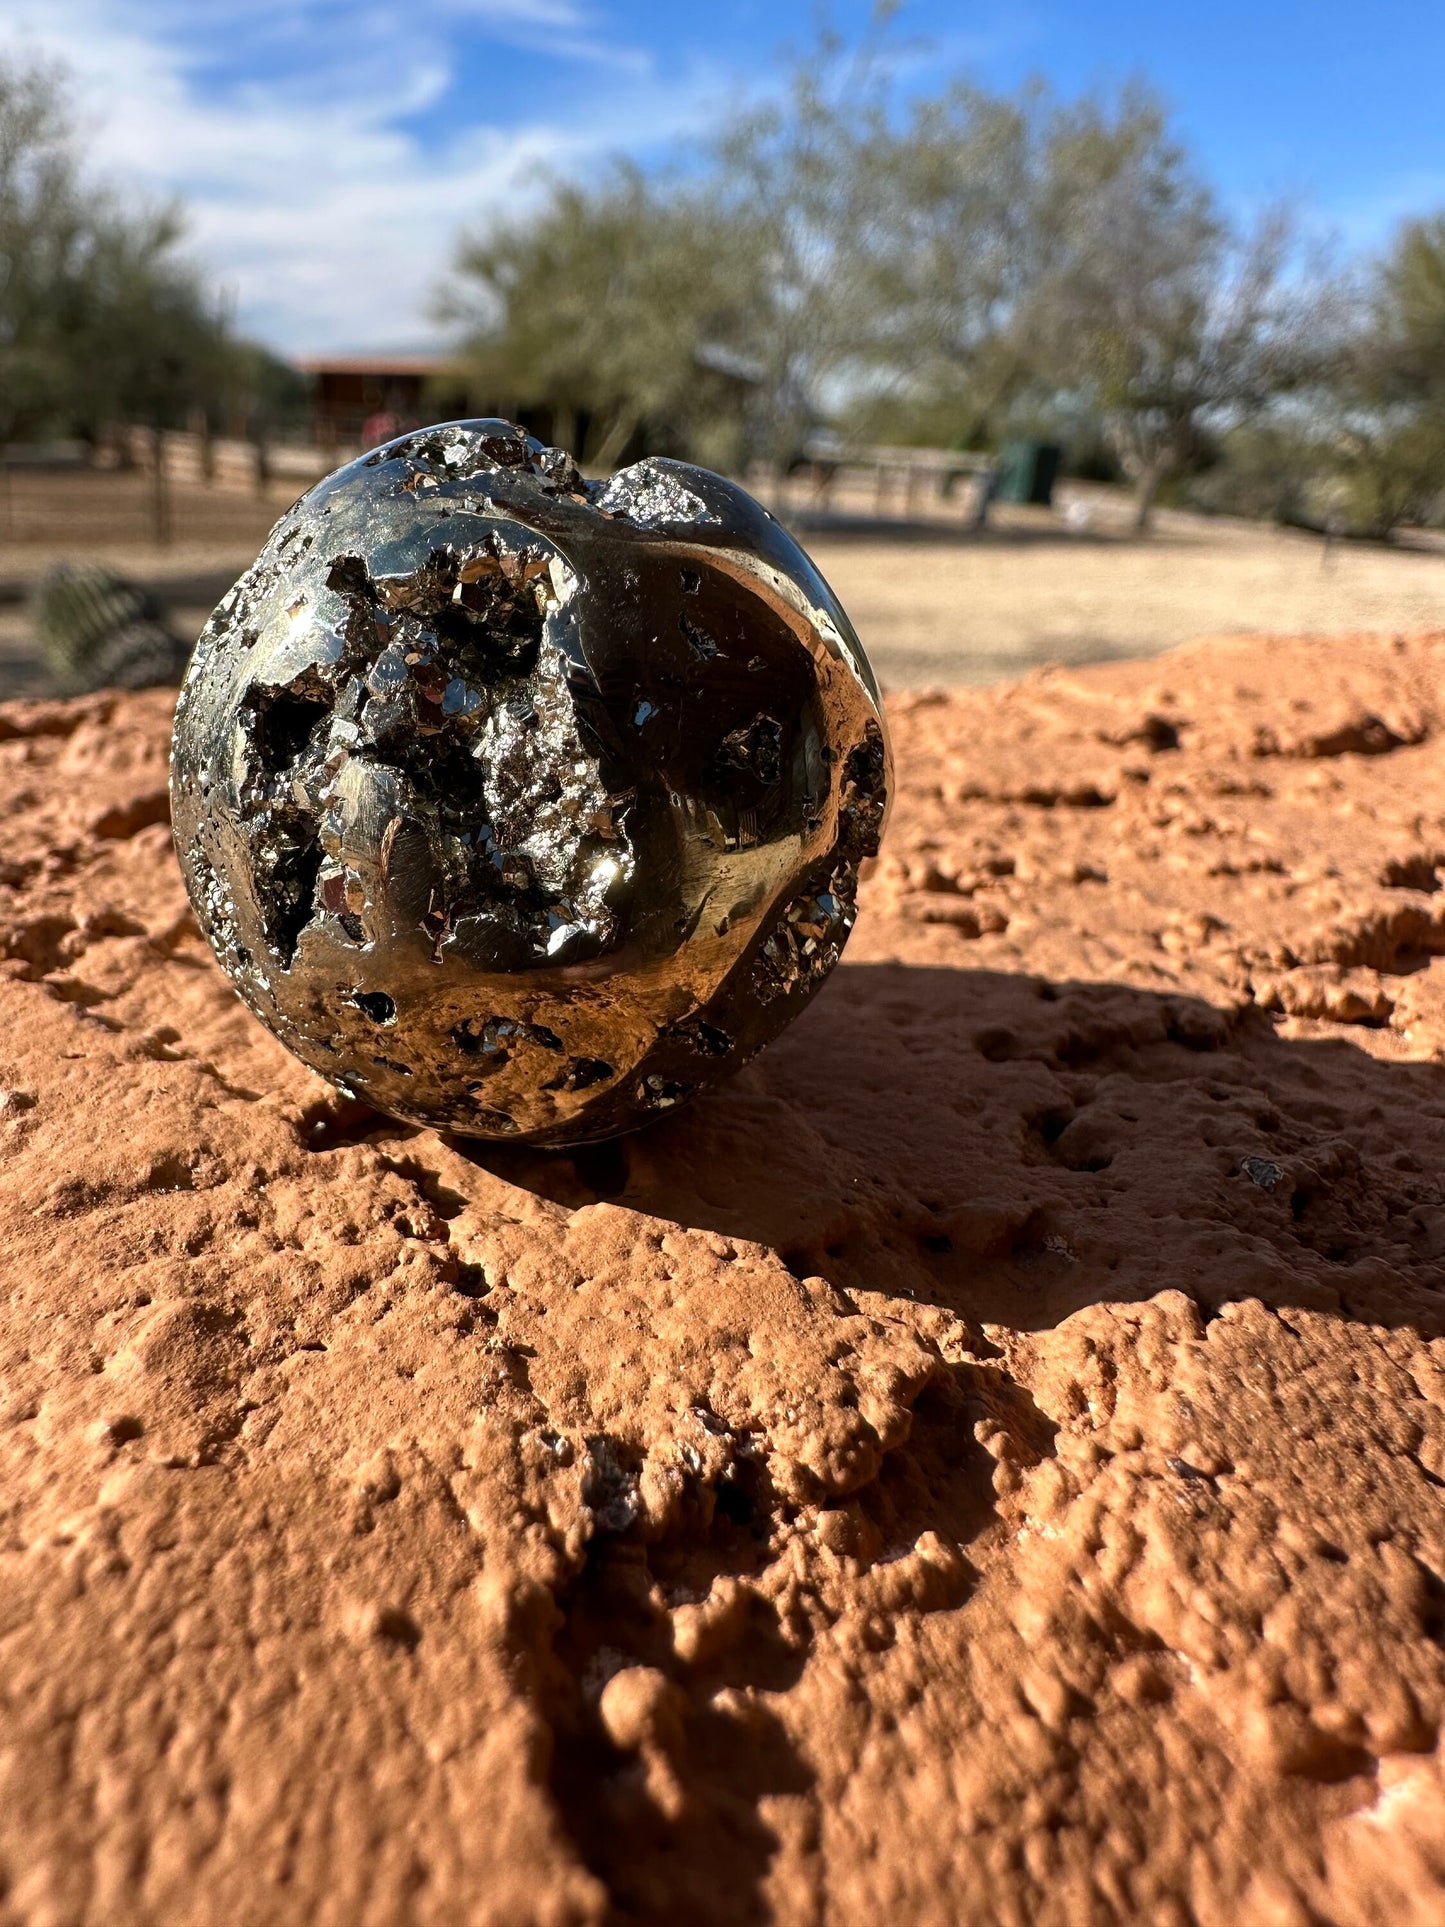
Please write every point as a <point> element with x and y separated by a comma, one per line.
<point>294,133</point>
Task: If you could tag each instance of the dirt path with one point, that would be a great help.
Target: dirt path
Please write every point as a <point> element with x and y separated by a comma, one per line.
<point>936,606</point>
<point>956,610</point>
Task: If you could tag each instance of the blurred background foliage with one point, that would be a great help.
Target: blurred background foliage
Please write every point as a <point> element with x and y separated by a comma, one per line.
<point>103,319</point>
<point>847,258</point>
<point>960,270</point>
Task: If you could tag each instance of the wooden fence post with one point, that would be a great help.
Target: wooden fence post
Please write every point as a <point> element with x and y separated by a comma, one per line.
<point>160,491</point>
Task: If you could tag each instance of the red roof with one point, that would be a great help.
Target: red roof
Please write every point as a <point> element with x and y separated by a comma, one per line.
<point>371,364</point>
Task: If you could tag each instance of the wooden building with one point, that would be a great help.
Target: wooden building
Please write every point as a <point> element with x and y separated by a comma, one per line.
<point>360,400</point>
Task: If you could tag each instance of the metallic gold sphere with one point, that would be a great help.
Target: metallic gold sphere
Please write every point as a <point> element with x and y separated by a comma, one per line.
<point>520,805</point>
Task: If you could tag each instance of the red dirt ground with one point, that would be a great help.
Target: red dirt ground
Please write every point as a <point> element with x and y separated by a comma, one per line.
<point>985,1465</point>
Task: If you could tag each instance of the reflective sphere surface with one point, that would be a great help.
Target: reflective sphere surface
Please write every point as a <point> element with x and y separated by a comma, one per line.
<point>520,805</point>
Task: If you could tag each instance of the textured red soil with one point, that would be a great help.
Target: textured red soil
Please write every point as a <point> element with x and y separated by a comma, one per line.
<point>985,1465</point>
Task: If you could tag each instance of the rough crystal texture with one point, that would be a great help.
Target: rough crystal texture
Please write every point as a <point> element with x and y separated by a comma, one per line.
<point>520,805</point>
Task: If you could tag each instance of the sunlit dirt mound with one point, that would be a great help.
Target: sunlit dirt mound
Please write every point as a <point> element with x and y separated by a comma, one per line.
<point>985,1465</point>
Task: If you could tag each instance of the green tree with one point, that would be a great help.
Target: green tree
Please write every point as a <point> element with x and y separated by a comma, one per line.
<point>1409,312</point>
<point>100,317</point>
<point>959,263</point>
<point>1388,443</point>
<point>716,306</point>
<point>605,302</point>
<point>957,256</point>
<point>1177,324</point>
<point>804,187</point>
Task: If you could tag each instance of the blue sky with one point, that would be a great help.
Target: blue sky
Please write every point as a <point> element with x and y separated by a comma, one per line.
<point>330,150</point>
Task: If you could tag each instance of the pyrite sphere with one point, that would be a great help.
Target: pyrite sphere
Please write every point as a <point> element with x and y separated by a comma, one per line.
<point>521,805</point>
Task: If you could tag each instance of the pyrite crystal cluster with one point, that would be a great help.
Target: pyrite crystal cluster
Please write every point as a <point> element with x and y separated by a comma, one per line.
<point>521,805</point>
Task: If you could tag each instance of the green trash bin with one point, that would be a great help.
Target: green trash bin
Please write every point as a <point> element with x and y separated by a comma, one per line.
<point>1027,472</point>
